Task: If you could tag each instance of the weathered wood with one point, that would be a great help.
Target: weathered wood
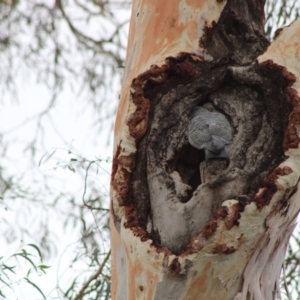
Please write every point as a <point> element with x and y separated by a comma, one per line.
<point>176,233</point>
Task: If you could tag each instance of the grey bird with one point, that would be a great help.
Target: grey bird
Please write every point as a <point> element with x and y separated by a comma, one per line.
<point>210,131</point>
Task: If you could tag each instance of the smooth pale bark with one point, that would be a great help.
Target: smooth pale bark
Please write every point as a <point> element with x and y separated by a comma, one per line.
<point>229,260</point>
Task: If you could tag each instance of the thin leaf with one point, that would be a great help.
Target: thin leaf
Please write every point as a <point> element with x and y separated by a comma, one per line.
<point>34,285</point>
<point>43,267</point>
<point>6,267</point>
<point>27,258</point>
<point>37,249</point>
<point>6,283</point>
<point>71,169</point>
<point>47,158</point>
<point>1,294</point>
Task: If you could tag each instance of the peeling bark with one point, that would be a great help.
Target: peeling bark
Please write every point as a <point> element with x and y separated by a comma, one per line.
<point>186,225</point>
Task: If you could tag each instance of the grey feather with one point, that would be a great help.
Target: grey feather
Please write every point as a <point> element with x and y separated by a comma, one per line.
<point>211,132</point>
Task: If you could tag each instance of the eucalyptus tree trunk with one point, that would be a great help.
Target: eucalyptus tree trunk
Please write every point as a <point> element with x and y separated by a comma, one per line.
<point>178,233</point>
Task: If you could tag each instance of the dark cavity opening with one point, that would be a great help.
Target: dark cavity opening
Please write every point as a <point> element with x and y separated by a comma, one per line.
<point>186,162</point>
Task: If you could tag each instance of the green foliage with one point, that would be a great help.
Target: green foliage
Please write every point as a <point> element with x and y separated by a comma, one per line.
<point>30,257</point>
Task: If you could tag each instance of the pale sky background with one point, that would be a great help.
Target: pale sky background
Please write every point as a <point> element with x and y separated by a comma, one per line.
<point>74,123</point>
<point>76,129</point>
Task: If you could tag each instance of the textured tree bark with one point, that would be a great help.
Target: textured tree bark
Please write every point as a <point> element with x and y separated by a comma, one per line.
<point>221,234</point>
